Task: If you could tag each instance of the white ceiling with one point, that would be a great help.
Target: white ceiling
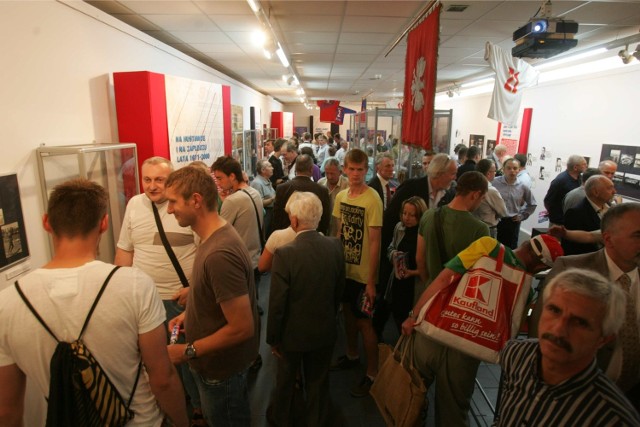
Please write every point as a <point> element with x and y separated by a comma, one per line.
<point>338,47</point>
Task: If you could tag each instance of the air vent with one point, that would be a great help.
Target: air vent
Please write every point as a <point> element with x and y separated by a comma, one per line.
<point>457,8</point>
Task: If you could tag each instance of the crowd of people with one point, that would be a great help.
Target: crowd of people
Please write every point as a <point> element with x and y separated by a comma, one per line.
<point>195,245</point>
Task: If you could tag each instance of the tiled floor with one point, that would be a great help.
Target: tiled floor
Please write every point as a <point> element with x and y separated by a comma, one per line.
<point>351,411</point>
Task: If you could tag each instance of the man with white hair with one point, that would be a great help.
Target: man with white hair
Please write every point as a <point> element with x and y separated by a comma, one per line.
<point>307,282</point>
<point>555,380</point>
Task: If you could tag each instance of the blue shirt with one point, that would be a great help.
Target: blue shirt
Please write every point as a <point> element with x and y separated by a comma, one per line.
<point>517,197</point>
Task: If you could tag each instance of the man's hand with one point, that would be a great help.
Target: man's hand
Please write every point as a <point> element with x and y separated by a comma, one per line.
<point>178,320</point>
<point>275,350</point>
<point>370,292</point>
<point>176,353</point>
<point>408,325</point>
<point>181,296</point>
<point>558,231</point>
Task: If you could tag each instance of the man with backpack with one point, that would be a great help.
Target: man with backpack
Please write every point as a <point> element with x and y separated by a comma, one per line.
<point>123,320</point>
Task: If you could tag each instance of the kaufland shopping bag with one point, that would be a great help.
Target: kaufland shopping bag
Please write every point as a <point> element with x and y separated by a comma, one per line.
<point>479,313</point>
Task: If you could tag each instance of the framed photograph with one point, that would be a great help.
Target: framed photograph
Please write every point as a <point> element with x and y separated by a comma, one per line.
<point>14,246</point>
<point>477,140</point>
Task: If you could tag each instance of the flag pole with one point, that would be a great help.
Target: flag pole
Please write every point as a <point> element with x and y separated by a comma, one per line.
<point>425,11</point>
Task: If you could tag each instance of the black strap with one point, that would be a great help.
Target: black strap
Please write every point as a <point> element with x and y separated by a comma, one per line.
<point>440,235</point>
<point>167,247</point>
<point>257,219</point>
<point>86,321</point>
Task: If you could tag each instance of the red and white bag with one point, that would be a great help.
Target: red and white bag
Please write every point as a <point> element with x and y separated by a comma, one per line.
<point>481,311</point>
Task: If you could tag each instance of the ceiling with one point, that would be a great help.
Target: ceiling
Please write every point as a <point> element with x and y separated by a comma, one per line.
<point>338,48</point>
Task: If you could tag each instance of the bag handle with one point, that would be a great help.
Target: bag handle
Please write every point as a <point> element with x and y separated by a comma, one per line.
<point>255,208</point>
<point>407,347</point>
<point>168,248</point>
<point>500,258</point>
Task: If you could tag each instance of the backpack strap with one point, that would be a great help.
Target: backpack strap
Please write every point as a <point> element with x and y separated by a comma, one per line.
<point>95,302</point>
<point>33,310</point>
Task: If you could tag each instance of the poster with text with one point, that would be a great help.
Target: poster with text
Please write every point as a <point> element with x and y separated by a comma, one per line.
<point>194,120</point>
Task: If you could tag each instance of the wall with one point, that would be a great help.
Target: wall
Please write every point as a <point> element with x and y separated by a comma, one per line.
<point>57,89</point>
<point>570,116</point>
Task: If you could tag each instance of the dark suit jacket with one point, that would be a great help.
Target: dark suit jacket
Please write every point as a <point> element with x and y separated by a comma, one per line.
<point>581,217</point>
<point>594,261</point>
<point>307,282</point>
<point>377,185</point>
<point>278,170</point>
<point>300,183</point>
<point>469,165</point>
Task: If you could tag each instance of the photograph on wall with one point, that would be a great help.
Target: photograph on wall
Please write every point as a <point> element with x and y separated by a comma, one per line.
<point>491,144</point>
<point>14,246</point>
<point>477,140</point>
<point>626,179</point>
<point>236,118</point>
<point>300,130</point>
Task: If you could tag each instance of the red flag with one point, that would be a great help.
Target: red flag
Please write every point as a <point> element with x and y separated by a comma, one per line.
<point>420,81</point>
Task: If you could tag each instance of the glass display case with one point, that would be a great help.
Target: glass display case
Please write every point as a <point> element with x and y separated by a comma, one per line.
<point>248,148</point>
<point>114,166</point>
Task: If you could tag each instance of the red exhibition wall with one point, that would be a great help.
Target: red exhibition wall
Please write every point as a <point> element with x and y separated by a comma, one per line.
<point>141,110</point>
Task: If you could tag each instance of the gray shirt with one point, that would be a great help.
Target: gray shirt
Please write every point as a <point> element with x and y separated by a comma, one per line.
<point>517,197</point>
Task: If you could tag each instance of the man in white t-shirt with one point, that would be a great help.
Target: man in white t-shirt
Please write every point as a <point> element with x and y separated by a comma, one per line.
<point>127,324</point>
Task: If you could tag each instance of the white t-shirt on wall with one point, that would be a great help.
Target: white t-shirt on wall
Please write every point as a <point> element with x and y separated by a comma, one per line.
<point>140,234</point>
<point>129,306</point>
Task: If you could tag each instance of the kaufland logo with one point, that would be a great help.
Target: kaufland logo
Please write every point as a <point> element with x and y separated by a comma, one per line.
<point>478,293</point>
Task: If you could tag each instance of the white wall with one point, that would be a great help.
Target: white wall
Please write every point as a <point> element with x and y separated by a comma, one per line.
<point>56,89</point>
<point>570,116</point>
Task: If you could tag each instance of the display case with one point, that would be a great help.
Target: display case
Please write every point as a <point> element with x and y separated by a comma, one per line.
<point>114,166</point>
<point>248,148</point>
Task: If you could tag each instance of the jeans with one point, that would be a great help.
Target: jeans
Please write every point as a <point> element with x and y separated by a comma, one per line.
<point>173,309</point>
<point>225,403</point>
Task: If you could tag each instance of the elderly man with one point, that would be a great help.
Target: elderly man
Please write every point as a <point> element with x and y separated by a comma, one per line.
<point>518,199</point>
<point>335,183</point>
<point>555,380</point>
<point>587,214</point>
<point>499,155</point>
<point>307,282</point>
<point>221,319</point>
<point>262,184</point>
<point>290,155</point>
<point>383,182</point>
<point>561,185</point>
<point>618,261</point>
<point>301,182</point>
<point>575,196</point>
<point>126,329</point>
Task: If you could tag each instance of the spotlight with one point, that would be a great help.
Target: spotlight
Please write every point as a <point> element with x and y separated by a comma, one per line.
<point>625,55</point>
<point>289,80</point>
<point>637,52</point>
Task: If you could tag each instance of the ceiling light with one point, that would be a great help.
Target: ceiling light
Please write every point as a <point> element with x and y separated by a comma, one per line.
<point>625,55</point>
<point>282,56</point>
<point>289,80</point>
<point>254,5</point>
<point>267,53</point>
<point>300,91</point>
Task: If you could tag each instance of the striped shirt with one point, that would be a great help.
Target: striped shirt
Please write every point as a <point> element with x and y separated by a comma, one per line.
<point>587,399</point>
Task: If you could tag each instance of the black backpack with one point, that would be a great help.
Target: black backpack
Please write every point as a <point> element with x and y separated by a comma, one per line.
<point>80,393</point>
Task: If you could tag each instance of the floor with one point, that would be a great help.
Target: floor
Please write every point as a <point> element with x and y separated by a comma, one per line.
<point>358,412</point>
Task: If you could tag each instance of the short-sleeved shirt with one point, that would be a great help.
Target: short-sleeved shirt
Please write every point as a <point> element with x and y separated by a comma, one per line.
<point>357,215</point>
<point>222,271</point>
<point>238,209</point>
<point>279,238</point>
<point>263,186</point>
<point>140,234</point>
<point>129,306</point>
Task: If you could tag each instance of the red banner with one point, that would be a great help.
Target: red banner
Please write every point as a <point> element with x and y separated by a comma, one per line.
<point>420,82</point>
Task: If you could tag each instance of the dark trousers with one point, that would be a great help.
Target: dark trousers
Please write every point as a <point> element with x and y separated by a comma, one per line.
<point>508,232</point>
<point>314,366</point>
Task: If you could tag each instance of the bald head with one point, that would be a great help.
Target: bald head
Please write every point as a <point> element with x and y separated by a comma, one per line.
<point>599,189</point>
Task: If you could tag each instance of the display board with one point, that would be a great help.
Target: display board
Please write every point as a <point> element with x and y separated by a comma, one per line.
<point>627,178</point>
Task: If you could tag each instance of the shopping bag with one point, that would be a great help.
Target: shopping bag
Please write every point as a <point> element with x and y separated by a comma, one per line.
<point>398,390</point>
<point>481,311</point>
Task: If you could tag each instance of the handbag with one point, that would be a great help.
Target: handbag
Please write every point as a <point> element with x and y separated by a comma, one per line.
<point>398,390</point>
<point>478,313</point>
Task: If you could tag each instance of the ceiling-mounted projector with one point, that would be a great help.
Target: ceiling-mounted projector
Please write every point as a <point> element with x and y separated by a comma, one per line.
<point>545,36</point>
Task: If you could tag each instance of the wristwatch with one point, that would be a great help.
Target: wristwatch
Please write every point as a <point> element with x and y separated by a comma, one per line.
<point>190,351</point>
<point>413,316</point>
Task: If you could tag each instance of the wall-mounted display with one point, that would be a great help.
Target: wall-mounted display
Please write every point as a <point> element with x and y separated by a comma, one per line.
<point>14,246</point>
<point>477,140</point>
<point>627,178</point>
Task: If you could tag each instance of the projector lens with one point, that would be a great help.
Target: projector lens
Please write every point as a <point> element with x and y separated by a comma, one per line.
<point>539,26</point>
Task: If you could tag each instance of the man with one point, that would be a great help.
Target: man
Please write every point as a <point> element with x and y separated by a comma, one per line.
<point>587,214</point>
<point>262,184</point>
<point>301,182</point>
<point>290,154</point>
<point>473,157</point>
<point>358,211</point>
<point>307,282</point>
<point>618,261</point>
<point>608,168</point>
<point>499,155</point>
<point>575,196</point>
<point>140,246</point>
<point>492,208</point>
<point>323,147</point>
<point>453,371</point>
<point>561,185</point>
<point>523,175</point>
<point>221,320</point>
<point>517,198</point>
<point>427,157</point>
<point>127,324</point>
<point>383,182</point>
<point>335,183</point>
<point>307,142</point>
<point>273,153</point>
<point>342,151</point>
<point>555,380</point>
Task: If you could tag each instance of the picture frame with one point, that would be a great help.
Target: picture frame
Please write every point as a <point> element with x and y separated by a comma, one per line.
<point>15,247</point>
